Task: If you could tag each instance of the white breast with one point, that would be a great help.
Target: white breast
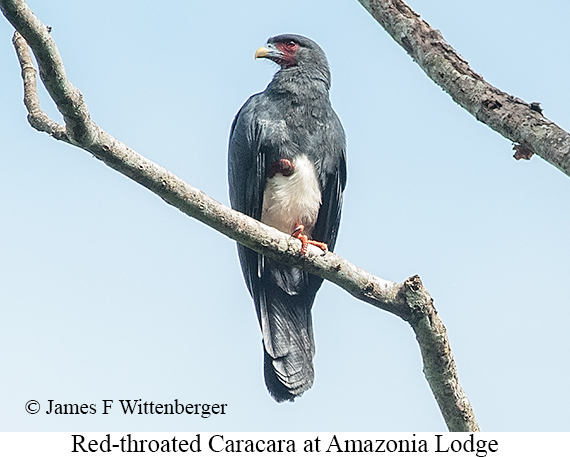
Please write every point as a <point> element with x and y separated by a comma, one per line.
<point>292,200</point>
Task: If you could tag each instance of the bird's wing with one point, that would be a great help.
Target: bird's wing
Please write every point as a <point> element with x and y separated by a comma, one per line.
<point>333,181</point>
<point>246,174</point>
<point>328,220</point>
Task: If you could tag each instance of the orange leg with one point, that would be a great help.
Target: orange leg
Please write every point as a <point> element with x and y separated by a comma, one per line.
<point>305,241</point>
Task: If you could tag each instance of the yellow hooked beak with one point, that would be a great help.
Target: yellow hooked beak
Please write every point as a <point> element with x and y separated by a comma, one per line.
<point>262,52</point>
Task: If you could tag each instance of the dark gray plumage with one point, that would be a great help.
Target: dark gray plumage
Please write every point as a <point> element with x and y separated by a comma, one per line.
<point>287,168</point>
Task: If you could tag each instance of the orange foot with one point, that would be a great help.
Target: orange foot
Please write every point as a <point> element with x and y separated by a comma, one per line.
<point>305,241</point>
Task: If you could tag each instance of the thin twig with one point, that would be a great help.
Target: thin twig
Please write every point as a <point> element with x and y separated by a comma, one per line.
<point>36,117</point>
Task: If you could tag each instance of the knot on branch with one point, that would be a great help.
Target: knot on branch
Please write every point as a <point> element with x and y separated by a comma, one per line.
<point>535,106</point>
<point>492,104</point>
<point>522,152</point>
<point>414,283</point>
<point>418,299</point>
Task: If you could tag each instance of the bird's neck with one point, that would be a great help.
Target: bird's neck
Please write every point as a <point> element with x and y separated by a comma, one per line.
<point>300,83</point>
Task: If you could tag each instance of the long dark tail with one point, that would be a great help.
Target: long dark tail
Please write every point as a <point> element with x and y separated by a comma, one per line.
<point>286,324</point>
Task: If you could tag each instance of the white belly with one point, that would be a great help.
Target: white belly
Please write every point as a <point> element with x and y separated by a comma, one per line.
<point>292,200</point>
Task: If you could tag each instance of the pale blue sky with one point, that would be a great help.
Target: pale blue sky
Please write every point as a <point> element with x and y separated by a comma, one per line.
<point>108,293</point>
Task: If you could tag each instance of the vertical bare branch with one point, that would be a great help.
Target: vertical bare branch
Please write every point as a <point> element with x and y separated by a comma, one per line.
<point>36,117</point>
<point>439,366</point>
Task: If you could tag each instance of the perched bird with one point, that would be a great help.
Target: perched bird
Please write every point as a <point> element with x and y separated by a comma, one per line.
<point>286,165</point>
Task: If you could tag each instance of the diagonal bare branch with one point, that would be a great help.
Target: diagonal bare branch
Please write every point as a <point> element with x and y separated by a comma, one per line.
<point>515,119</point>
<point>408,300</point>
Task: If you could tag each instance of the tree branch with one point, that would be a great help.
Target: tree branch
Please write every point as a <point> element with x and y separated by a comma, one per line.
<point>36,117</point>
<point>520,122</point>
<point>408,300</point>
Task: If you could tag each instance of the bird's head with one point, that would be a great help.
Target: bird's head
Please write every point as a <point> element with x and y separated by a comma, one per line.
<point>295,51</point>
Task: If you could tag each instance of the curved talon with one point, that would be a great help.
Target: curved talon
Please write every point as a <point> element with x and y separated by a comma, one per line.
<point>305,241</point>
<point>298,230</point>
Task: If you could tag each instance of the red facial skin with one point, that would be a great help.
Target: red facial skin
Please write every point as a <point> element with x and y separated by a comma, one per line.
<point>288,48</point>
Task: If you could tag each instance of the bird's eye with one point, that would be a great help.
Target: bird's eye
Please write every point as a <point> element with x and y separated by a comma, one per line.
<point>291,44</point>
